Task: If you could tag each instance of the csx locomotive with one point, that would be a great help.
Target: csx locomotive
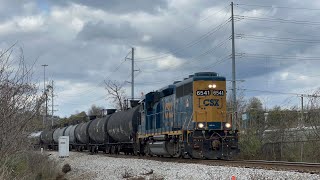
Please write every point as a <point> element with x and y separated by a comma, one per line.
<point>185,119</point>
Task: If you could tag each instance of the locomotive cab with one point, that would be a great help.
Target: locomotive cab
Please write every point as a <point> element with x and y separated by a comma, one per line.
<point>210,106</point>
<point>188,118</point>
<point>212,133</point>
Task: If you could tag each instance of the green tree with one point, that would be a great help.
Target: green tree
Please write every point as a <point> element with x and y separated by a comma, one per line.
<point>251,140</point>
<point>274,117</point>
<point>257,121</point>
<point>74,119</point>
<point>95,110</point>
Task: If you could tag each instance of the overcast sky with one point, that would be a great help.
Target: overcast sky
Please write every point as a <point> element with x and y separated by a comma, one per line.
<point>86,42</point>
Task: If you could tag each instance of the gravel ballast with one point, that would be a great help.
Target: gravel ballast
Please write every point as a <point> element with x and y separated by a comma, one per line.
<point>85,166</point>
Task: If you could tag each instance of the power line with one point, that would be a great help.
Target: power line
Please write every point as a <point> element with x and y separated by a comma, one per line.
<point>273,27</point>
<point>196,58</point>
<point>197,41</point>
<point>97,99</point>
<point>291,79</point>
<point>87,102</point>
<point>279,20</point>
<point>274,38</point>
<point>99,84</point>
<point>204,19</point>
<point>169,52</point>
<point>180,77</point>
<point>276,56</point>
<point>277,92</point>
<point>278,7</point>
<point>190,44</point>
<point>268,42</point>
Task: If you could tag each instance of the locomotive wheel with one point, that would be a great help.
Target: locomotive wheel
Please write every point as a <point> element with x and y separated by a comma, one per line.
<point>118,149</point>
<point>113,150</point>
<point>174,149</point>
<point>107,150</point>
<point>178,151</point>
<point>135,150</point>
<point>147,151</point>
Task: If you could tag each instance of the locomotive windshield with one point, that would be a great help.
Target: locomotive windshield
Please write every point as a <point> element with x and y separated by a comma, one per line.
<point>184,89</point>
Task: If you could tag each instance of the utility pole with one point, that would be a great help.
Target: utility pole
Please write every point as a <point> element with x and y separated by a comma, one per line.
<point>234,92</point>
<point>132,74</point>
<point>46,103</point>
<point>302,123</point>
<point>51,88</point>
<point>52,105</point>
<point>44,92</point>
<point>302,105</point>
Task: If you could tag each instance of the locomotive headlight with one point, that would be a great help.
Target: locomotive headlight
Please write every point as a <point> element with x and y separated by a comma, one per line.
<point>210,86</point>
<point>200,125</point>
<point>228,125</point>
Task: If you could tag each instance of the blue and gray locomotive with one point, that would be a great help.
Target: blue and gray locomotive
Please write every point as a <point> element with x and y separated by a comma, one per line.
<point>185,119</point>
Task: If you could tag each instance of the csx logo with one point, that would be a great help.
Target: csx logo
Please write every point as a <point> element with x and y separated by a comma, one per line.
<point>168,110</point>
<point>211,102</point>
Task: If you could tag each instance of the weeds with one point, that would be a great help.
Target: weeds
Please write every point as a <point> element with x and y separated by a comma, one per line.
<point>148,175</point>
<point>27,165</point>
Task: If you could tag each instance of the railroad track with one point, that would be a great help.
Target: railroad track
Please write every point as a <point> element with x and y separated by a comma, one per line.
<point>313,168</point>
<point>303,167</point>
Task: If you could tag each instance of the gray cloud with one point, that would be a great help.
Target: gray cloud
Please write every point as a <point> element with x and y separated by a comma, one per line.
<point>87,44</point>
<point>120,7</point>
<point>123,31</point>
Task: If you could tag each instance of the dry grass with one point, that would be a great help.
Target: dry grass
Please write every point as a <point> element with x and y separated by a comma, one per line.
<point>148,175</point>
<point>28,165</point>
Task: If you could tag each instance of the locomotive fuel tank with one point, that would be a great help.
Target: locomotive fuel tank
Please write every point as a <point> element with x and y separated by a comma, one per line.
<point>98,130</point>
<point>81,132</point>
<point>123,124</point>
<point>57,133</point>
<point>70,132</point>
<point>46,136</point>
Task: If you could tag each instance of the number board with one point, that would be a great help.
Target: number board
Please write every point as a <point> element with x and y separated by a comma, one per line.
<point>218,92</point>
<point>203,92</point>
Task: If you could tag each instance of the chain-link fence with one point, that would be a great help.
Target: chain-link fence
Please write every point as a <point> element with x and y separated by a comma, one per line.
<point>300,151</point>
<point>290,144</point>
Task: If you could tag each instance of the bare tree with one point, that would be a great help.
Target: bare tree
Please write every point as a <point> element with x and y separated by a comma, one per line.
<point>19,102</point>
<point>241,106</point>
<point>116,93</point>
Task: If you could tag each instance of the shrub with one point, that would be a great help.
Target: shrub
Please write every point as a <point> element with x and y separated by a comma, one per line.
<point>28,165</point>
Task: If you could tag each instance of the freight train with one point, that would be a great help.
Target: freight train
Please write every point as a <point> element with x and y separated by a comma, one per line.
<point>185,119</point>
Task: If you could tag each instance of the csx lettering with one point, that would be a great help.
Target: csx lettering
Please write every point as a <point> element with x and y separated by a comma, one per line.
<point>211,102</point>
